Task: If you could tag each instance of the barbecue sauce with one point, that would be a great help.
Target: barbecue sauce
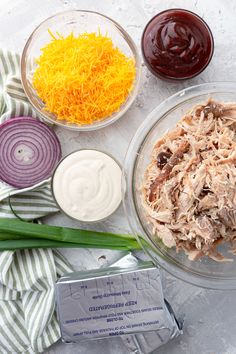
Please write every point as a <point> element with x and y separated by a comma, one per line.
<point>177,44</point>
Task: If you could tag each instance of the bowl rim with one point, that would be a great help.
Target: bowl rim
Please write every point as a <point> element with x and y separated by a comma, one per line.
<point>124,107</point>
<point>173,267</point>
<point>167,77</point>
<point>55,199</point>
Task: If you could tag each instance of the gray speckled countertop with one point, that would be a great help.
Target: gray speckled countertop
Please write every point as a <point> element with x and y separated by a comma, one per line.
<point>210,316</point>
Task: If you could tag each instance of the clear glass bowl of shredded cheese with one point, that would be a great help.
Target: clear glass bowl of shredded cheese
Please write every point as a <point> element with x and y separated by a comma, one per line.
<point>204,271</point>
<point>80,70</point>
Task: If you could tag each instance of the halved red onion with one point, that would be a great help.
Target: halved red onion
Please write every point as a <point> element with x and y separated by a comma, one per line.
<point>29,151</point>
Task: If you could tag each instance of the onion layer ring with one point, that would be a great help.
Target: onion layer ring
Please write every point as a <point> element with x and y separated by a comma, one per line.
<point>29,151</point>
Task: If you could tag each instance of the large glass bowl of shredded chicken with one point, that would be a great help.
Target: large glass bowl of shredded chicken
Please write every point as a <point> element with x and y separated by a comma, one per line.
<point>180,185</point>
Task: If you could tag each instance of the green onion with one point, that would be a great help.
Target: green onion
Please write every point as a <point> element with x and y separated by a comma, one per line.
<point>29,235</point>
<point>43,243</point>
<point>17,244</point>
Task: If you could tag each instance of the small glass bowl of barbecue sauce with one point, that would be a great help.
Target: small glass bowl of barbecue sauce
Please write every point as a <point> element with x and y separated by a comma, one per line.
<point>177,44</point>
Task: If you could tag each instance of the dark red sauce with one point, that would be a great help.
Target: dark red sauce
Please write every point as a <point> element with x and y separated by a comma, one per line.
<point>177,44</point>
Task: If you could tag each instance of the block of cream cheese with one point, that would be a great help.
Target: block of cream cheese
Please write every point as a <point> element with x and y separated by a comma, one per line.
<point>111,302</point>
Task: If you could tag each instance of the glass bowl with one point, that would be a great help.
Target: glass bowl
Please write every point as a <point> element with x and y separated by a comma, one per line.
<point>86,184</point>
<point>204,272</point>
<point>76,21</point>
<point>176,68</point>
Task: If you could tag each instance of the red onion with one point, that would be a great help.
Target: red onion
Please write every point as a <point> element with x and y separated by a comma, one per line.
<point>29,151</point>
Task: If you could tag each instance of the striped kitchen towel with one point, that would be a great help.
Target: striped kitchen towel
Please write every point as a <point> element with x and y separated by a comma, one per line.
<point>28,322</point>
<point>31,202</point>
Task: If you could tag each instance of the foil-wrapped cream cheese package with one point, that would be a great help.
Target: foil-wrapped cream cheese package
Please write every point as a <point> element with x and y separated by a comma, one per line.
<point>113,301</point>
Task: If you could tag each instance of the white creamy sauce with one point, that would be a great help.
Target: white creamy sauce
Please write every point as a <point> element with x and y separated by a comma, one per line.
<point>87,185</point>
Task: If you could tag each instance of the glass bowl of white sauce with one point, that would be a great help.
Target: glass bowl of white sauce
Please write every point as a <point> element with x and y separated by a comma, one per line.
<point>86,185</point>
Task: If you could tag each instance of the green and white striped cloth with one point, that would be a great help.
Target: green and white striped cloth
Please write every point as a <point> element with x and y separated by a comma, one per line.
<point>13,103</point>
<point>28,322</point>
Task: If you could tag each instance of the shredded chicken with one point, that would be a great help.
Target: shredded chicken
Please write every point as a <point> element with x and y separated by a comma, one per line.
<point>189,192</point>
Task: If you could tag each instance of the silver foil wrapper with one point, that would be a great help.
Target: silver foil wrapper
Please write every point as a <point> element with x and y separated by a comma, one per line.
<point>123,300</point>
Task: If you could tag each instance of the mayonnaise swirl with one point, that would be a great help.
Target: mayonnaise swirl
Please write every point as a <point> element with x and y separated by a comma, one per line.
<point>87,185</point>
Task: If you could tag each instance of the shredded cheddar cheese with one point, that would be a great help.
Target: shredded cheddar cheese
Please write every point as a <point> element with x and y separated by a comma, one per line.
<point>83,79</point>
